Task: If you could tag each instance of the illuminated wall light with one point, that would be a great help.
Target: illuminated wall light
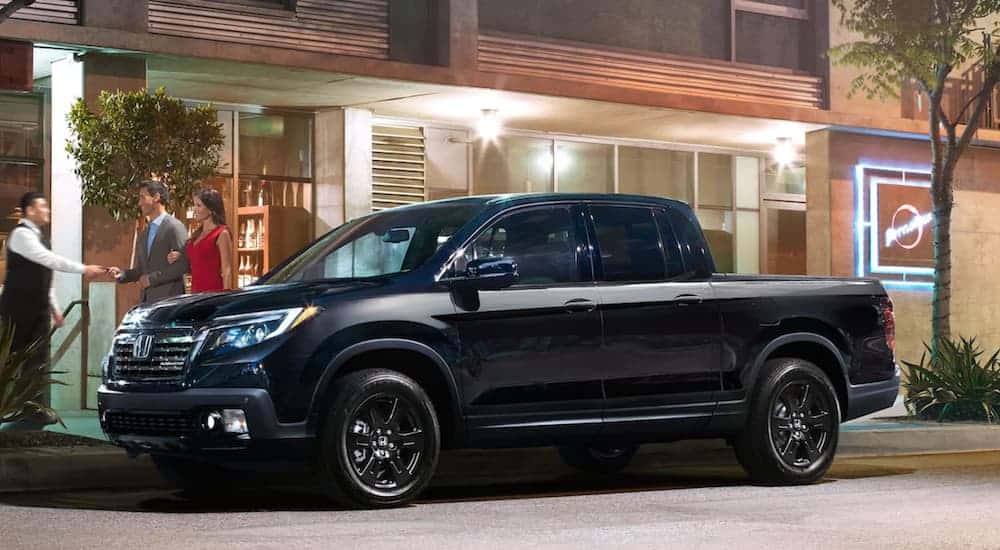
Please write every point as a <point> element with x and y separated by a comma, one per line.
<point>489,124</point>
<point>784,152</point>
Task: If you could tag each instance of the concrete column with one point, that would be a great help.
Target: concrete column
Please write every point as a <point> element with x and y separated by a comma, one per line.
<point>343,166</point>
<point>819,241</point>
<point>86,233</point>
<point>67,235</point>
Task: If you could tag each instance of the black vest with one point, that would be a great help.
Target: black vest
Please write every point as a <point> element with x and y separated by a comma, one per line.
<point>27,286</point>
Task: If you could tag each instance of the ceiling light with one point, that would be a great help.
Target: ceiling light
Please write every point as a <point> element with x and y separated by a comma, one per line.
<point>489,124</point>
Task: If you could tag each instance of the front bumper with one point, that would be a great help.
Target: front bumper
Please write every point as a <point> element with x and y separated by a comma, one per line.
<point>865,399</point>
<point>170,423</point>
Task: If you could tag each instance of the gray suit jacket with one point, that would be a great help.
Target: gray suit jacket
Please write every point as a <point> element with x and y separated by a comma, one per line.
<point>165,279</point>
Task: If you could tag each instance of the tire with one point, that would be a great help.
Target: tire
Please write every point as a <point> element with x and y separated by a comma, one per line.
<point>598,460</point>
<point>197,479</point>
<point>380,441</point>
<point>793,425</point>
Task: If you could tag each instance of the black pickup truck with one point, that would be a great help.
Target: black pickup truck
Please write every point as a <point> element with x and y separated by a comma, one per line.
<point>592,323</point>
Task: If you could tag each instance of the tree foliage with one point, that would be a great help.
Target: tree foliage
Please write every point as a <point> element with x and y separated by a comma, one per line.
<point>927,41</point>
<point>137,135</point>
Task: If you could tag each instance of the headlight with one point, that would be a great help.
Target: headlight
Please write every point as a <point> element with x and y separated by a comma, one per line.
<point>227,334</point>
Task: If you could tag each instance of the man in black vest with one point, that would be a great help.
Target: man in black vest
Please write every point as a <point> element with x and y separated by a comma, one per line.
<point>28,301</point>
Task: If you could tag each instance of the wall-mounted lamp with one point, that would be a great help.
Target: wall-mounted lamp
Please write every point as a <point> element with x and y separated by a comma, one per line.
<point>784,152</point>
<point>489,125</point>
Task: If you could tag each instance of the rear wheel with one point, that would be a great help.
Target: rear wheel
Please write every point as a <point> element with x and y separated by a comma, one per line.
<point>381,440</point>
<point>598,460</point>
<point>793,426</point>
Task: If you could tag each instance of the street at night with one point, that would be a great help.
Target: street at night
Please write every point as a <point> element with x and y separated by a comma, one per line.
<point>931,501</point>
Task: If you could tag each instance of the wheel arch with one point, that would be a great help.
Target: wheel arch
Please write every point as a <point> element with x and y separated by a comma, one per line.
<point>812,347</point>
<point>414,359</point>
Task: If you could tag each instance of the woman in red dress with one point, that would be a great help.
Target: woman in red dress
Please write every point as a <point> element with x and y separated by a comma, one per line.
<point>210,250</point>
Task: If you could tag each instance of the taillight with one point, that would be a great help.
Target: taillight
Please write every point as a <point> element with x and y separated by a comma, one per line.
<point>889,324</point>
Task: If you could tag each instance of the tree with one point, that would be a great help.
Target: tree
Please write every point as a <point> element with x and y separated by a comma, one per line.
<point>139,135</point>
<point>926,41</point>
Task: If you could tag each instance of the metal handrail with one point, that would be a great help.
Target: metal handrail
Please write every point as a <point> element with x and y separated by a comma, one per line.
<point>69,308</point>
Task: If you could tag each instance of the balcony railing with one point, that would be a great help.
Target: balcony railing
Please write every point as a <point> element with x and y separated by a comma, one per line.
<point>957,93</point>
<point>564,60</point>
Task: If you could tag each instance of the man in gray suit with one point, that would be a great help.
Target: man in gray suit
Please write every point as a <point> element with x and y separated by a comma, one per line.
<point>158,278</point>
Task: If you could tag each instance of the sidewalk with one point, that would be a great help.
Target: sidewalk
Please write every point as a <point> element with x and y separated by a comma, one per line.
<point>887,433</point>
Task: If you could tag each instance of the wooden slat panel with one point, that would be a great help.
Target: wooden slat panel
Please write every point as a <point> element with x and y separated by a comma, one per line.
<point>529,56</point>
<point>347,27</point>
<point>65,12</point>
<point>397,167</point>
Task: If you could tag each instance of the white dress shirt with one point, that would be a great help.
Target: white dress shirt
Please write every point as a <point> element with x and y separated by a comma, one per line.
<point>29,245</point>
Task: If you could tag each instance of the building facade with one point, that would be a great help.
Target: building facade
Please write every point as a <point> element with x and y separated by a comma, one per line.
<point>333,109</point>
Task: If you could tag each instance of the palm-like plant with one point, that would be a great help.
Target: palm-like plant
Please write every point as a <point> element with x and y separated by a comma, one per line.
<point>955,383</point>
<point>21,382</point>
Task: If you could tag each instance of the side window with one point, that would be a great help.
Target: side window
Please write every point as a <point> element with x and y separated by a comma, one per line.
<point>541,240</point>
<point>691,242</point>
<point>671,246</point>
<point>629,243</point>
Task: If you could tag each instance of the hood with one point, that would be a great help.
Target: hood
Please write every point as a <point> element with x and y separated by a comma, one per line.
<point>195,309</point>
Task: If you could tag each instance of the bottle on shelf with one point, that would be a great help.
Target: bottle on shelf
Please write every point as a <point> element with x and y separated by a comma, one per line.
<point>249,238</point>
<point>242,237</point>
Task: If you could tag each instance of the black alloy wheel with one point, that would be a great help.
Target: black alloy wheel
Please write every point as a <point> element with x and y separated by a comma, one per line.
<point>386,442</point>
<point>380,441</point>
<point>801,423</point>
<point>793,424</point>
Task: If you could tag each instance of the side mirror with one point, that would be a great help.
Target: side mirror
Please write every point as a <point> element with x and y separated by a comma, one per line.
<point>490,273</point>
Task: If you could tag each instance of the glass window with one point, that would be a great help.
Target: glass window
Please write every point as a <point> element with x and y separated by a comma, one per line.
<point>276,145</point>
<point>715,180</point>
<point>785,179</point>
<point>747,182</point>
<point>629,243</point>
<point>513,164</point>
<point>689,239</point>
<point>747,241</point>
<point>585,167</point>
<point>20,128</point>
<point>718,228</point>
<point>541,240</point>
<point>656,172</point>
<point>389,242</point>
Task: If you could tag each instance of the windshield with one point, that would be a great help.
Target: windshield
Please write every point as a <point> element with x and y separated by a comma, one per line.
<point>391,241</point>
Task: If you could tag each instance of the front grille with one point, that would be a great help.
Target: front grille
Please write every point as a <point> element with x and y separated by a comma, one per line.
<point>161,424</point>
<point>164,358</point>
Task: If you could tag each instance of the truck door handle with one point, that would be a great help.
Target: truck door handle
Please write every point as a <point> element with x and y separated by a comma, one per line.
<point>688,299</point>
<point>580,305</point>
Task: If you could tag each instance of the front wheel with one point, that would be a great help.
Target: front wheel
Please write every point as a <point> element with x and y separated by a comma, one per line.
<point>793,426</point>
<point>380,443</point>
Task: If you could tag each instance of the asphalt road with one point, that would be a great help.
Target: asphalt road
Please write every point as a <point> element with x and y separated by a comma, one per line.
<point>941,501</point>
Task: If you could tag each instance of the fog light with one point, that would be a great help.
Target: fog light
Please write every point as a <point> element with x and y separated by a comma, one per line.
<point>234,421</point>
<point>212,421</point>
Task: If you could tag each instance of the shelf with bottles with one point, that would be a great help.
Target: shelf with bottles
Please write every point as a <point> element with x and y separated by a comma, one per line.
<point>261,191</point>
<point>266,235</point>
<point>248,271</point>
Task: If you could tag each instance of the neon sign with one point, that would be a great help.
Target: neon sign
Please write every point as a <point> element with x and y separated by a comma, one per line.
<point>893,228</point>
<point>912,231</point>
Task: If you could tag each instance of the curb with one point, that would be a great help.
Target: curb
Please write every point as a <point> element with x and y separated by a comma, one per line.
<point>51,468</point>
<point>69,468</point>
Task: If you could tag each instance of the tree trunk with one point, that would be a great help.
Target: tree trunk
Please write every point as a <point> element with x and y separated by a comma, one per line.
<point>943,197</point>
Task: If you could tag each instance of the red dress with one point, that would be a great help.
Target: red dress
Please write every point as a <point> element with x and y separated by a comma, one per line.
<point>206,262</point>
